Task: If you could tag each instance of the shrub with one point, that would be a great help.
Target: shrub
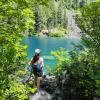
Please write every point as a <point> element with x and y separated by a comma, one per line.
<point>17,91</point>
<point>57,34</point>
<point>81,69</point>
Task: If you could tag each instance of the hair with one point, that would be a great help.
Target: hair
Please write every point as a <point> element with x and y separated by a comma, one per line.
<point>35,58</point>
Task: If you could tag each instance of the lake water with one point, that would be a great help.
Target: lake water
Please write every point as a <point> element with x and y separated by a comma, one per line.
<point>47,45</point>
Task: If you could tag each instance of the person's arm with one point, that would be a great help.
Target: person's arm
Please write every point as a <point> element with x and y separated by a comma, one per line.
<point>41,62</point>
<point>29,63</point>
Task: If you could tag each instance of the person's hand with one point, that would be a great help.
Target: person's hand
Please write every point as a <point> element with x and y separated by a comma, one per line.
<point>29,63</point>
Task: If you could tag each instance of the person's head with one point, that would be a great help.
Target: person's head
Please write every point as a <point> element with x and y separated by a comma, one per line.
<point>37,55</point>
<point>37,51</point>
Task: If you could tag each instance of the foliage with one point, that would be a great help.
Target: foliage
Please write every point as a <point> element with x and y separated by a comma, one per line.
<point>88,22</point>
<point>50,16</point>
<point>97,77</point>
<point>74,4</point>
<point>16,17</point>
<point>17,91</point>
<point>54,14</point>
<point>81,68</point>
<point>57,34</point>
<point>31,87</point>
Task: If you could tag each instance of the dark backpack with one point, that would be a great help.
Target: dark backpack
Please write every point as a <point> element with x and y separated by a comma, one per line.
<point>37,67</point>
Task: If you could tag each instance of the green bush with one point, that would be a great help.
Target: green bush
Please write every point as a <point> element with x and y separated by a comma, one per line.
<point>97,77</point>
<point>57,34</point>
<point>60,32</point>
<point>79,65</point>
<point>17,91</point>
<point>31,87</point>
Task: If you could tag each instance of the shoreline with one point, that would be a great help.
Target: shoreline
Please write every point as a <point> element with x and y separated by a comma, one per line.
<point>71,36</point>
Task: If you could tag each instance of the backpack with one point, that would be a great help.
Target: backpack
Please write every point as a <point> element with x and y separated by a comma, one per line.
<point>37,67</point>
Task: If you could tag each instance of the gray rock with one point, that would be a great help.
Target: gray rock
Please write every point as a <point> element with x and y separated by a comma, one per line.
<point>43,95</point>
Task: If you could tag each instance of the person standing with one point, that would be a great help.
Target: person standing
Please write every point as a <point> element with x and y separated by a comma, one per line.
<point>37,64</point>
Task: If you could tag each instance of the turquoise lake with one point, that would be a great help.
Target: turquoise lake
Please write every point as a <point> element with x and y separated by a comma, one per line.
<point>47,45</point>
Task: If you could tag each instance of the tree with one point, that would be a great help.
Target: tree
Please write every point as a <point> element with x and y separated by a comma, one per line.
<point>80,73</point>
<point>89,21</point>
<point>16,16</point>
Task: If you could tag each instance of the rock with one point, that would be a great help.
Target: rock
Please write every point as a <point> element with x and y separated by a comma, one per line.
<point>43,95</point>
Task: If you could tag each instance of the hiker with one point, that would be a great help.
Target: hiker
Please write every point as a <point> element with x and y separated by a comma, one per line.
<point>37,64</point>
